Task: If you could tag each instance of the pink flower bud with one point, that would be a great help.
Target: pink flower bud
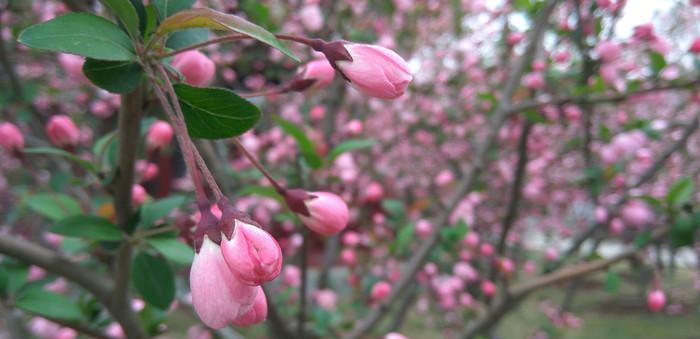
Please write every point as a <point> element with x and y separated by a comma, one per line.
<point>375,71</point>
<point>348,257</point>
<point>515,37</point>
<point>159,135</point>
<point>486,249</point>
<point>62,131</point>
<point>551,254</point>
<point>255,315</point>
<point>695,46</point>
<point>326,299</point>
<point>317,112</point>
<point>533,80</point>
<point>217,295</point>
<point>374,192</point>
<point>11,139</point>
<point>351,239</point>
<point>354,127</point>
<point>291,275</point>
<point>380,290</point>
<point>196,67</point>
<point>138,195</point>
<point>506,266</point>
<point>472,239</point>
<point>608,51</point>
<point>616,226</point>
<point>656,300</point>
<point>311,17</point>
<point>314,75</point>
<point>488,288</point>
<point>636,213</point>
<point>252,254</point>
<point>529,267</point>
<point>328,213</point>
<point>423,228</point>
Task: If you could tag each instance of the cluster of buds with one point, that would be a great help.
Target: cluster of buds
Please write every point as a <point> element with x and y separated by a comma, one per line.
<point>234,256</point>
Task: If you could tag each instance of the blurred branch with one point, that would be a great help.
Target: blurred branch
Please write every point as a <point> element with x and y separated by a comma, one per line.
<point>77,5</point>
<point>365,325</point>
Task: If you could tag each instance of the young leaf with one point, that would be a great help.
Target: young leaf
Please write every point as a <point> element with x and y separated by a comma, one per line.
<point>167,8</point>
<point>126,13</point>
<point>83,34</point>
<point>154,279</point>
<point>208,18</point>
<point>48,304</point>
<point>349,145</point>
<point>306,146</point>
<point>680,192</point>
<point>89,166</point>
<point>187,37</point>
<point>173,249</point>
<point>89,227</point>
<point>113,76</point>
<point>215,113</point>
<point>55,206</point>
<point>152,211</point>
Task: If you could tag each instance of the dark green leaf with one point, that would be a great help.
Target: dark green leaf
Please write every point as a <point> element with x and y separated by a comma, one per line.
<point>126,13</point>
<point>83,34</point>
<point>534,117</point>
<point>152,211</point>
<point>657,62</point>
<point>349,145</point>
<point>306,146</point>
<point>154,279</point>
<point>89,227</point>
<point>208,18</point>
<point>612,282</point>
<point>49,304</point>
<point>167,8</point>
<point>70,156</point>
<point>55,206</point>
<point>173,249</point>
<point>683,232</point>
<point>215,113</point>
<point>113,76</point>
<point>680,192</point>
<point>642,239</point>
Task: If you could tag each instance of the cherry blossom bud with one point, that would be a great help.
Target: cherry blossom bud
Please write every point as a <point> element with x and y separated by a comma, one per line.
<point>196,67</point>
<point>291,275</point>
<point>255,315</point>
<point>515,37</point>
<point>252,254</point>
<point>374,192</point>
<point>373,70</point>
<point>62,131</point>
<point>138,195</point>
<point>354,127</point>
<point>11,139</point>
<point>423,228</point>
<point>217,295</point>
<point>380,290</point>
<point>608,51</point>
<point>472,239</point>
<point>323,212</point>
<point>529,267</point>
<point>488,288</point>
<point>695,46</point>
<point>315,74</point>
<point>351,239</point>
<point>506,266</point>
<point>551,254</point>
<point>656,300</point>
<point>311,17</point>
<point>616,226</point>
<point>636,213</point>
<point>159,135</point>
<point>533,80</point>
<point>348,257</point>
<point>486,249</point>
<point>326,299</point>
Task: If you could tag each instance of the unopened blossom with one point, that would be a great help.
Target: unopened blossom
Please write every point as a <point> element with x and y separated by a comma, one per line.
<point>159,135</point>
<point>11,139</point>
<point>656,300</point>
<point>257,314</point>
<point>323,212</point>
<point>252,254</point>
<point>62,131</point>
<point>315,74</point>
<point>196,67</point>
<point>380,290</point>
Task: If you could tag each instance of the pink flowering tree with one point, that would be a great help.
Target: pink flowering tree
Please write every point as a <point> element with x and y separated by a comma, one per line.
<point>175,158</point>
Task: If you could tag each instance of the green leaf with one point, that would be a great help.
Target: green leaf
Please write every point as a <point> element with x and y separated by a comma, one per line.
<point>88,227</point>
<point>167,8</point>
<point>258,12</point>
<point>215,113</point>
<point>152,211</point>
<point>394,207</point>
<point>126,13</point>
<point>208,18</point>
<point>48,304</point>
<point>642,239</point>
<point>89,166</point>
<point>12,277</point>
<point>173,249</point>
<point>683,232</point>
<point>83,34</point>
<point>187,37</point>
<point>612,282</point>
<point>680,192</point>
<point>113,76</point>
<point>55,206</point>
<point>349,145</point>
<point>403,239</point>
<point>151,20</point>
<point>154,279</point>
<point>263,191</point>
<point>306,146</point>
<point>657,62</point>
<point>534,117</point>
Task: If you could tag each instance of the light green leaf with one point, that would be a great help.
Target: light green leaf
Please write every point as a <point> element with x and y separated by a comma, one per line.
<point>349,145</point>
<point>126,13</point>
<point>49,304</point>
<point>151,212</point>
<point>89,227</point>
<point>154,279</point>
<point>55,206</point>
<point>83,34</point>
<point>306,146</point>
<point>173,249</point>
<point>680,192</point>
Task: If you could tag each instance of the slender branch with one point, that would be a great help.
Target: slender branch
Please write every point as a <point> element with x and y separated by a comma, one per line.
<point>207,174</point>
<point>365,325</point>
<point>129,124</point>
<point>258,165</point>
